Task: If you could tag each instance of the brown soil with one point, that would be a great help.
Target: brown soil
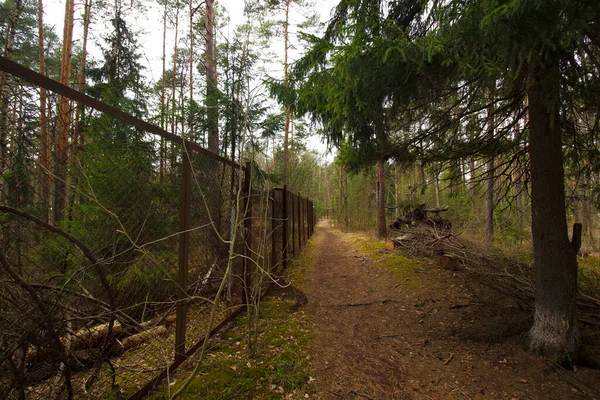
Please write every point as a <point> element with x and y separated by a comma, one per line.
<point>379,337</point>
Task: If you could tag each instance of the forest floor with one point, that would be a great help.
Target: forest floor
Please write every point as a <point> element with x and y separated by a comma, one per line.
<point>386,326</point>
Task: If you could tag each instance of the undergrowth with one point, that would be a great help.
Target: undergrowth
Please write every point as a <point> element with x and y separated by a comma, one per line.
<point>280,367</point>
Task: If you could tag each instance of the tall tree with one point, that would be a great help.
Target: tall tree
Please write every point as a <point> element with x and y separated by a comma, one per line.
<point>64,116</point>
<point>288,114</point>
<point>212,89</point>
<point>44,157</point>
<point>350,96</point>
<point>455,49</point>
<point>489,182</point>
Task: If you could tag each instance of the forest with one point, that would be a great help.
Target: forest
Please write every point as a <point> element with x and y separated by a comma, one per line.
<point>151,190</point>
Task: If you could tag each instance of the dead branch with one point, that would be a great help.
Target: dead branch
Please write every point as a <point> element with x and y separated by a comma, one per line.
<point>449,359</point>
<point>90,298</point>
<point>563,373</point>
<point>84,249</point>
<point>370,303</point>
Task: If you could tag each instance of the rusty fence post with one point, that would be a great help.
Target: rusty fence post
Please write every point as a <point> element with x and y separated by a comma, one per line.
<point>184,246</point>
<point>303,205</point>
<point>247,234</point>
<point>300,236</point>
<point>284,239</point>
<point>310,219</point>
<point>273,230</point>
<point>313,217</point>
<point>293,219</point>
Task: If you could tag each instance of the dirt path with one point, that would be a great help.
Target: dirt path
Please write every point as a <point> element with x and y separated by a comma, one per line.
<point>353,359</point>
<point>377,336</point>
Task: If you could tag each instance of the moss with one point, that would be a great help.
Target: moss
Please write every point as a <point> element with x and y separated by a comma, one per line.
<point>281,365</point>
<point>280,368</point>
<point>299,269</point>
<point>405,268</point>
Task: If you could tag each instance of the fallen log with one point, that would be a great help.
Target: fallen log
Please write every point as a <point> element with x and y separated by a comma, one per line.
<point>139,338</point>
<point>89,337</point>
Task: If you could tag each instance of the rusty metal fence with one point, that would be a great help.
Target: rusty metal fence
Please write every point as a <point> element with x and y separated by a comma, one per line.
<point>116,238</point>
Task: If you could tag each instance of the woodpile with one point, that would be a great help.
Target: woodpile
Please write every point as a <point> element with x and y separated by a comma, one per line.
<point>423,216</point>
<point>489,267</point>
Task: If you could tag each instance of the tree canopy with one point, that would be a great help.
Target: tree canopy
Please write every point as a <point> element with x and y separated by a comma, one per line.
<point>433,69</point>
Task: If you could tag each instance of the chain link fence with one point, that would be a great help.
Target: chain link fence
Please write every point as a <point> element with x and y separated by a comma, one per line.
<point>117,239</point>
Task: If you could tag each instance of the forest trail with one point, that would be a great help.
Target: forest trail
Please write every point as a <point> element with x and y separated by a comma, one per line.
<point>352,357</point>
<point>380,335</point>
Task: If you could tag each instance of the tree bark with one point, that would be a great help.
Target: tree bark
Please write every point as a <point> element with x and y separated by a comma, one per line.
<point>286,133</point>
<point>78,139</point>
<point>380,181</point>
<point>64,117</point>
<point>554,332</point>
<point>5,90</point>
<point>381,227</point>
<point>472,185</point>
<point>44,159</point>
<point>212,114</point>
<point>437,189</point>
<point>174,91</point>
<point>191,109</point>
<point>489,181</point>
<point>211,80</point>
<point>163,90</point>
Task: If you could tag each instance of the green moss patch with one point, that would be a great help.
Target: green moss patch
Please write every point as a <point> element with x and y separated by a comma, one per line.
<point>280,365</point>
<point>279,370</point>
<point>407,269</point>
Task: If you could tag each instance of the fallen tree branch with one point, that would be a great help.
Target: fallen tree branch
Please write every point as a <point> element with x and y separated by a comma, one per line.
<point>84,249</point>
<point>449,359</point>
<point>90,298</point>
<point>370,303</point>
<point>563,373</point>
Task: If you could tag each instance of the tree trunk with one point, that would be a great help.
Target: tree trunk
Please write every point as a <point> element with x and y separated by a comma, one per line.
<point>163,90</point>
<point>519,198</point>
<point>191,107</point>
<point>489,203</point>
<point>6,91</point>
<point>341,199</point>
<point>78,139</point>
<point>174,91</point>
<point>585,211</point>
<point>44,159</point>
<point>286,133</point>
<point>380,182</point>
<point>554,332</point>
<point>212,115</point>
<point>211,80</point>
<point>489,181</point>
<point>381,227</point>
<point>396,195</point>
<point>346,217</point>
<point>437,189</point>
<point>472,185</point>
<point>64,118</point>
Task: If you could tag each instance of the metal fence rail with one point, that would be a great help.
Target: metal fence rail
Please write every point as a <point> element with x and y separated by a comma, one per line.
<point>115,241</point>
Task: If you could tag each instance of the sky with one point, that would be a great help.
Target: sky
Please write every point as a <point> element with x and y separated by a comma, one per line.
<point>150,26</point>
